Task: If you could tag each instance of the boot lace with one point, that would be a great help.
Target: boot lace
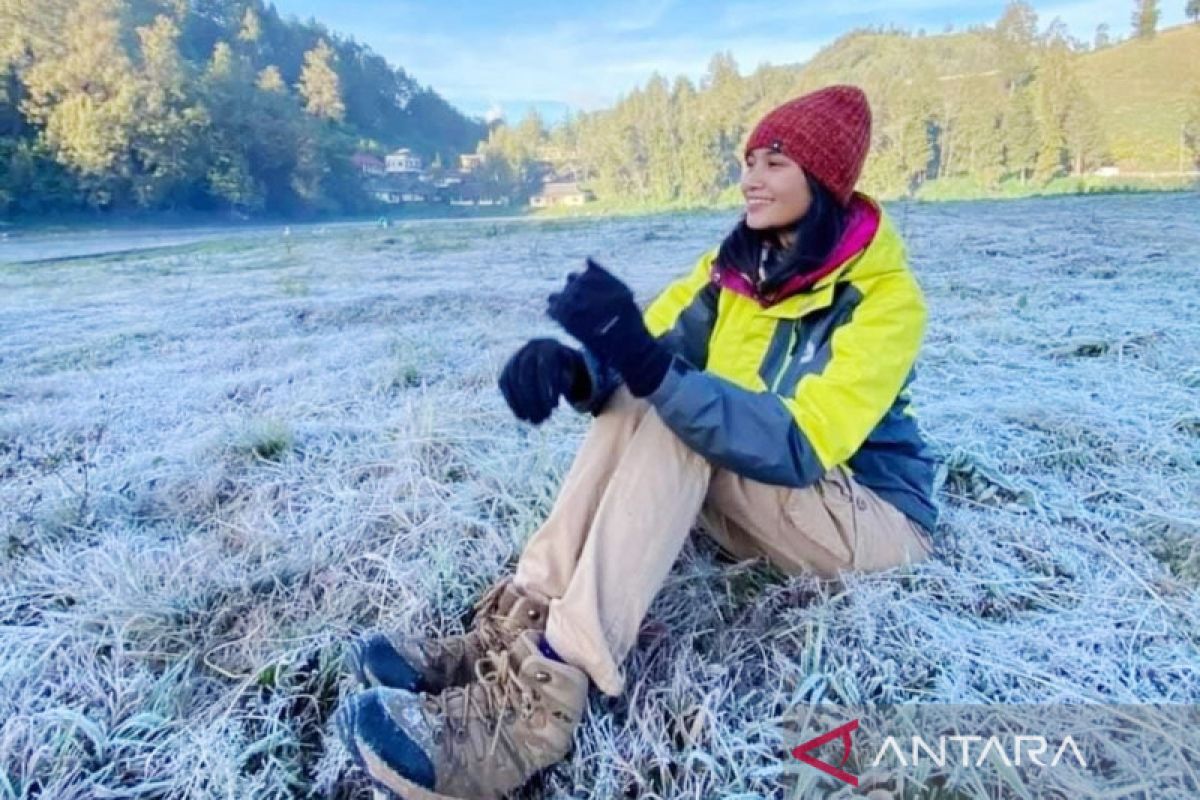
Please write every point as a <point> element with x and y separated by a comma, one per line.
<point>487,624</point>
<point>497,693</point>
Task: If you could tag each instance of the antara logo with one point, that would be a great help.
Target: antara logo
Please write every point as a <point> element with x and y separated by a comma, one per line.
<point>841,732</point>
<point>974,751</point>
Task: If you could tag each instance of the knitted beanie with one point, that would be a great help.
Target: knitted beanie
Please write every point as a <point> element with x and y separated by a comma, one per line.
<point>826,132</point>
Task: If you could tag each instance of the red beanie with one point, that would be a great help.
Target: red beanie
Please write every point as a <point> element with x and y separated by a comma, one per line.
<point>826,132</point>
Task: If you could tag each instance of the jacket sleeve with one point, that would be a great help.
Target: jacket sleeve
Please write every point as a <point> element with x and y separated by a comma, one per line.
<point>681,317</point>
<point>792,440</point>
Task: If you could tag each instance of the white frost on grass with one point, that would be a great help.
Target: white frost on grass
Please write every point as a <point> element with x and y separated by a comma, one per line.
<point>218,463</point>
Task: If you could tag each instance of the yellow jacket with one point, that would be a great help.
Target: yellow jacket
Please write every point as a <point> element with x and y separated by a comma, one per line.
<point>784,391</point>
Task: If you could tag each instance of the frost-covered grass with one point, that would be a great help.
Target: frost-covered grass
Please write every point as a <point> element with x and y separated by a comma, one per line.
<point>220,461</point>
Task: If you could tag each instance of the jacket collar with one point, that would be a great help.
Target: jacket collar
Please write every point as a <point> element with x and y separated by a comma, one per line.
<point>740,262</point>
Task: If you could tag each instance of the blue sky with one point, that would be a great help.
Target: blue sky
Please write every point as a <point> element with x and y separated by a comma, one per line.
<point>502,56</point>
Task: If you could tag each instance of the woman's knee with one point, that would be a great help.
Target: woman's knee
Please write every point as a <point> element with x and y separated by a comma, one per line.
<point>623,400</point>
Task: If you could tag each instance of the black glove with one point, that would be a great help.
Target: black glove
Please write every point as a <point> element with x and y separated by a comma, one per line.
<point>598,309</point>
<point>538,374</point>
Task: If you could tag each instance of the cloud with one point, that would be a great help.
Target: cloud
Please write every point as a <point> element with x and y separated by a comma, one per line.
<point>639,16</point>
<point>808,15</point>
<point>491,56</point>
<point>587,69</point>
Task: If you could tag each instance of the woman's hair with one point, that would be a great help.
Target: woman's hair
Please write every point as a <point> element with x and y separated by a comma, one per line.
<point>817,234</point>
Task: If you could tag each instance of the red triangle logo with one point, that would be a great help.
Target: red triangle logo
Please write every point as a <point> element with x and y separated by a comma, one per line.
<point>841,732</point>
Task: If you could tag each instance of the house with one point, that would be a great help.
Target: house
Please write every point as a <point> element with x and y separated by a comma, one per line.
<point>403,161</point>
<point>470,192</point>
<point>403,180</point>
<point>398,188</point>
<point>469,162</point>
<point>560,193</point>
<point>367,164</point>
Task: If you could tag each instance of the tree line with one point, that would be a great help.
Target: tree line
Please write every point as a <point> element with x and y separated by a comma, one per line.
<point>208,104</point>
<point>994,104</point>
<point>222,104</point>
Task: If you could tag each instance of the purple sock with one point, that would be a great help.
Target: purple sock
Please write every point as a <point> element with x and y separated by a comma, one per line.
<point>545,649</point>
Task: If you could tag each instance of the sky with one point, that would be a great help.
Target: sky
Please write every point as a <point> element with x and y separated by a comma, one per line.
<point>501,57</point>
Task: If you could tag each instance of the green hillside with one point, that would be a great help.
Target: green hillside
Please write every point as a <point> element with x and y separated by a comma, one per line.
<point>876,53</point>
<point>1143,90</point>
<point>213,105</point>
<point>1006,110</point>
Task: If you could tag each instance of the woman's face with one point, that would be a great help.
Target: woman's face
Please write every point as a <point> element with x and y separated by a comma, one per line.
<point>775,189</point>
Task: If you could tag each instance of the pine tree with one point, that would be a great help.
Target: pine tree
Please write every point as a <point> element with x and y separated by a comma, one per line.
<point>1020,135</point>
<point>1018,24</point>
<point>1084,141</point>
<point>982,129</point>
<point>230,175</point>
<point>269,80</point>
<point>700,159</point>
<point>726,104</point>
<point>1015,34</point>
<point>251,26</point>
<point>86,97</point>
<point>510,154</point>
<point>1193,10</point>
<point>1053,100</point>
<point>902,102</point>
<point>170,123</point>
<point>659,137</point>
<point>31,30</point>
<point>1145,18</point>
<point>319,85</point>
<point>528,139</point>
<point>1191,127</point>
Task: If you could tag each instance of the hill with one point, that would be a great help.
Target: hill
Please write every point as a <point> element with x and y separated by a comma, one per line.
<point>1005,110</point>
<point>1144,90</point>
<point>132,105</point>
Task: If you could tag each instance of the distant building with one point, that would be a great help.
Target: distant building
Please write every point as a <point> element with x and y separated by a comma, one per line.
<point>543,171</point>
<point>402,179</point>
<point>406,188</point>
<point>367,164</point>
<point>560,193</point>
<point>470,192</point>
<point>398,188</point>
<point>402,161</point>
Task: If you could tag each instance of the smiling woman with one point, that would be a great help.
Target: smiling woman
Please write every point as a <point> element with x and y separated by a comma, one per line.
<point>764,393</point>
<point>776,190</point>
<point>790,213</point>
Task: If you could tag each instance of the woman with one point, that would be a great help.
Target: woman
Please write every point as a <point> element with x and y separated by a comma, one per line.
<point>765,391</point>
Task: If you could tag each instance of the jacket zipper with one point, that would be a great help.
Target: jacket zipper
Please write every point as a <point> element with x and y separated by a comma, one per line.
<point>789,354</point>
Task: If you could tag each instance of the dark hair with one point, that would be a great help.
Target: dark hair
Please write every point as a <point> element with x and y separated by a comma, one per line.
<point>817,234</point>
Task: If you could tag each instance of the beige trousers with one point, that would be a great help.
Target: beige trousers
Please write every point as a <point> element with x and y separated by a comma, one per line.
<point>628,504</point>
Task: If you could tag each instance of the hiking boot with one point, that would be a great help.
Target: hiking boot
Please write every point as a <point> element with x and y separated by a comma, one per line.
<point>475,741</point>
<point>417,664</point>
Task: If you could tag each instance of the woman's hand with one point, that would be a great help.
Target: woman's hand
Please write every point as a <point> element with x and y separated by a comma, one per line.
<point>538,374</point>
<point>597,308</point>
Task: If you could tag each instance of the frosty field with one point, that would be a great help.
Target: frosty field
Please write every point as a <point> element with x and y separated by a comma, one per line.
<point>222,458</point>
